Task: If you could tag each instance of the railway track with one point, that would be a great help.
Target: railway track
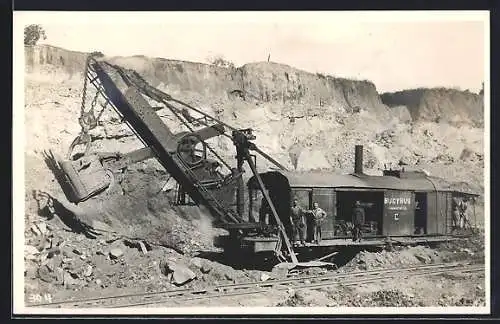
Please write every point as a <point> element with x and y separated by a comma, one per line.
<point>302,282</point>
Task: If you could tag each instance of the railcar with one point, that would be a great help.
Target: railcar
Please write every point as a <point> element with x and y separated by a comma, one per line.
<point>400,205</point>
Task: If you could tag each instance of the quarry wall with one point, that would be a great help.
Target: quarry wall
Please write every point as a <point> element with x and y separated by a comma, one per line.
<point>279,83</point>
<point>440,105</point>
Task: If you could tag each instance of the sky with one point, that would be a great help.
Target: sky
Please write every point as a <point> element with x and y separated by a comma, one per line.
<point>395,50</point>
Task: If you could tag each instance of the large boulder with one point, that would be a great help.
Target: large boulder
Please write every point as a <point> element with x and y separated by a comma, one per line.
<point>178,272</point>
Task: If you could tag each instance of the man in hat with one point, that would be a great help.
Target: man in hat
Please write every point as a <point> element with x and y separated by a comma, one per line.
<point>456,213</point>
<point>297,219</point>
<point>464,221</point>
<point>358,219</point>
<point>319,215</point>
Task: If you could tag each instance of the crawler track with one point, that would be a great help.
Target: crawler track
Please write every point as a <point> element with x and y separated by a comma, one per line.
<point>301,282</point>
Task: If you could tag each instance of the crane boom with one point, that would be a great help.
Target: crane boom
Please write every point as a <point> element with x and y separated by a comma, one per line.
<point>184,155</point>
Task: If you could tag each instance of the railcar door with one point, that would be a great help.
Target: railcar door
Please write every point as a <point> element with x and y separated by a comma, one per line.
<point>432,213</point>
<point>326,199</point>
<point>442,206</point>
<point>399,209</point>
<point>420,213</point>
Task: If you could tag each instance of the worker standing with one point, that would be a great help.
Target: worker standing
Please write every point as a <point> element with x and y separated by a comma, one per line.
<point>264,212</point>
<point>358,216</point>
<point>297,219</point>
<point>463,210</point>
<point>456,213</point>
<point>319,216</point>
<point>469,212</point>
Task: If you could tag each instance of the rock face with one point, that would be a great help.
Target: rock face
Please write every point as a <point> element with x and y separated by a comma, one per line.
<point>70,61</point>
<point>279,83</point>
<point>440,105</point>
<point>262,81</point>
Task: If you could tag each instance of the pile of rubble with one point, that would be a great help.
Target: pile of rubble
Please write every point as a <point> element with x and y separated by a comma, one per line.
<point>59,257</point>
<point>347,297</point>
<point>477,300</point>
<point>388,298</point>
<point>56,258</point>
<point>471,249</point>
<point>441,291</point>
<point>379,298</point>
<point>305,297</point>
<point>404,256</point>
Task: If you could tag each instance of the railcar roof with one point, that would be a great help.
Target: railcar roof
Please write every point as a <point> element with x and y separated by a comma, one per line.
<point>324,179</point>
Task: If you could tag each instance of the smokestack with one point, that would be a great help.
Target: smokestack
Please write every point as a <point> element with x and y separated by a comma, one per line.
<point>358,159</point>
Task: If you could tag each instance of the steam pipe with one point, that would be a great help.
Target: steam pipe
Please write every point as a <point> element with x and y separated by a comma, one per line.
<point>358,159</point>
